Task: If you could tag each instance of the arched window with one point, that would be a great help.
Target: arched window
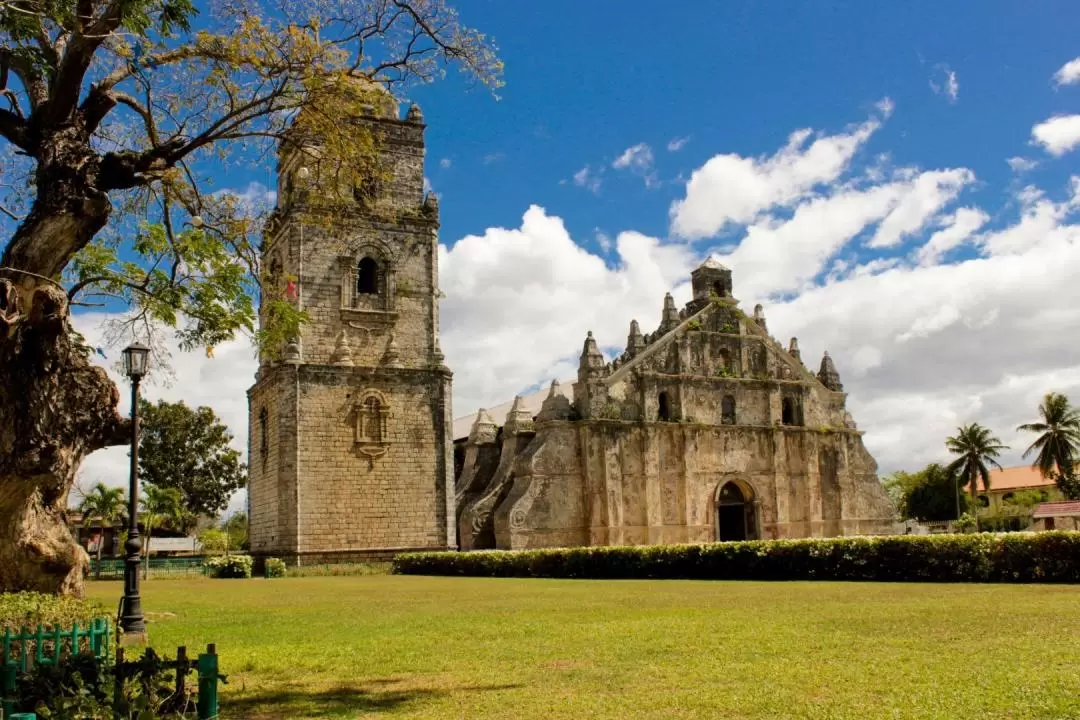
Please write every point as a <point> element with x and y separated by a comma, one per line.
<point>727,410</point>
<point>367,277</point>
<point>1008,498</point>
<point>725,360</point>
<point>787,411</point>
<point>264,434</point>
<point>983,501</point>
<point>718,289</point>
<point>664,413</point>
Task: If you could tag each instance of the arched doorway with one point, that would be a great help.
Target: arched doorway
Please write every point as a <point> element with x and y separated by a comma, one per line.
<point>736,517</point>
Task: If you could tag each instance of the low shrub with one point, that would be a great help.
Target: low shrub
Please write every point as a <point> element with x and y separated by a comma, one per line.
<point>229,566</point>
<point>30,609</point>
<point>341,570</point>
<point>274,568</point>
<point>983,557</point>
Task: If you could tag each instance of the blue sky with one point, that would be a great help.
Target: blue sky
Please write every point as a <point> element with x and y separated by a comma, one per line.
<point>893,181</point>
<point>585,81</point>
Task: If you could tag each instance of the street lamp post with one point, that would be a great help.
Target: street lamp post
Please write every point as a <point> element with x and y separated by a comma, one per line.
<point>131,615</point>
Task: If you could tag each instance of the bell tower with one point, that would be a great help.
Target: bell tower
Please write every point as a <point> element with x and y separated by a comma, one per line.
<point>350,449</point>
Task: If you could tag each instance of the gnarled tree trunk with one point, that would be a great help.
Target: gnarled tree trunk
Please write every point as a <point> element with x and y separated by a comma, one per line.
<point>55,408</point>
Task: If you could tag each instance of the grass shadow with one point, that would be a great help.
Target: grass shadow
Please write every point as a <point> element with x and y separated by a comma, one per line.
<point>286,702</point>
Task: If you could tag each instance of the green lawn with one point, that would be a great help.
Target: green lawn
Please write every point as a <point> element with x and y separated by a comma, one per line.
<point>416,647</point>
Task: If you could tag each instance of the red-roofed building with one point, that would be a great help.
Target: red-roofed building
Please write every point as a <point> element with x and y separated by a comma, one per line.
<point>1005,484</point>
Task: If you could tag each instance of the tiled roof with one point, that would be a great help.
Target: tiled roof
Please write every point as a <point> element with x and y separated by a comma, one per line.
<point>1017,478</point>
<point>1070,508</point>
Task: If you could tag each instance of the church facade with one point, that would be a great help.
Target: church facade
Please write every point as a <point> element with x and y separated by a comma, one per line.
<point>706,429</point>
<point>350,452</point>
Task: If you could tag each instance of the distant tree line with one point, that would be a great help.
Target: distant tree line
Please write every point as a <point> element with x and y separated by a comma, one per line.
<point>935,492</point>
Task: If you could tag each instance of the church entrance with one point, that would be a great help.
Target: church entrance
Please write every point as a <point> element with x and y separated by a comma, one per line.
<point>735,514</point>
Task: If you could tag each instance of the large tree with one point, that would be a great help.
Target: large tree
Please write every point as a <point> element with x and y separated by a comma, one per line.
<point>188,449</point>
<point>1058,444</point>
<point>976,449</point>
<point>114,115</point>
<point>929,494</point>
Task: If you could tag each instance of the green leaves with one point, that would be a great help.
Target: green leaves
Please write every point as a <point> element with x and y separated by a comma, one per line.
<point>188,450</point>
<point>191,281</point>
<point>1059,436</point>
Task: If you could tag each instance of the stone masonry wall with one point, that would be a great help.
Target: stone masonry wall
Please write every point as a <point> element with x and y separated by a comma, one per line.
<point>272,474</point>
<point>352,503</point>
<point>616,483</point>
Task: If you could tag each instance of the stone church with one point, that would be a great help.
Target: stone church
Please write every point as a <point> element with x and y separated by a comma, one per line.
<point>704,429</point>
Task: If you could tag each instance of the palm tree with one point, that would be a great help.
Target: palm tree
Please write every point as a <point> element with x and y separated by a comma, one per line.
<point>976,448</point>
<point>104,505</point>
<point>1058,443</point>
<point>159,505</point>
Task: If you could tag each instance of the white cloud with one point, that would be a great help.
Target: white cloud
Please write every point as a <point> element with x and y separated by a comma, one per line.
<point>255,199</point>
<point>638,159</point>
<point>445,163</point>
<point>944,82</point>
<point>732,189</point>
<point>885,106</point>
<point>925,196</point>
<point>1022,164</point>
<point>1069,73</point>
<point>979,340</point>
<point>956,228</point>
<point>589,179</point>
<point>1058,135</point>
<point>677,144</point>
<point>519,302</point>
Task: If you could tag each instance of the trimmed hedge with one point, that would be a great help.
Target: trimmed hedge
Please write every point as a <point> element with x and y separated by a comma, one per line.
<point>1048,557</point>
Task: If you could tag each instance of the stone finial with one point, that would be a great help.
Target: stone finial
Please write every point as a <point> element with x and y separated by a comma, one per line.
<point>556,405</point>
<point>759,317</point>
<point>592,360</point>
<point>342,354</point>
<point>414,115</point>
<point>431,204</point>
<point>484,430</point>
<point>828,375</point>
<point>518,420</point>
<point>670,317</point>
<point>635,341</point>
<point>291,353</point>
<point>793,349</point>
<point>391,357</point>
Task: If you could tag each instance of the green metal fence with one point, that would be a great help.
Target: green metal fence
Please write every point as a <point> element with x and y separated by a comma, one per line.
<point>159,568</point>
<point>27,649</point>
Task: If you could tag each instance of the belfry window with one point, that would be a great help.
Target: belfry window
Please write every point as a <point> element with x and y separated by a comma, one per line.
<point>727,410</point>
<point>367,277</point>
<point>664,411</point>
<point>264,434</point>
<point>718,289</point>
<point>790,412</point>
